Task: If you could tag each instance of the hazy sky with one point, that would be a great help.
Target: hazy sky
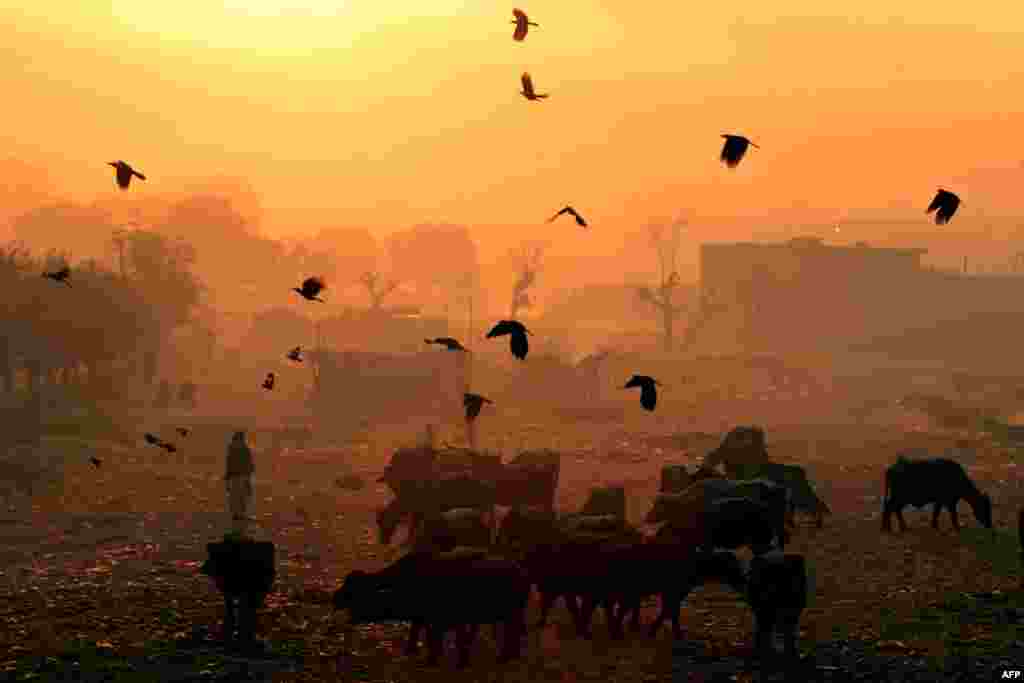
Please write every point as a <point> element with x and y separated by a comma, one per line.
<point>388,111</point>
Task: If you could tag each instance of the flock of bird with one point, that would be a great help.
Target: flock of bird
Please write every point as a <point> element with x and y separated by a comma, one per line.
<point>944,205</point>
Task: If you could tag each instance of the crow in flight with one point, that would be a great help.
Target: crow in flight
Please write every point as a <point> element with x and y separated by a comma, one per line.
<point>124,173</point>
<point>473,404</point>
<point>946,204</point>
<point>447,342</point>
<point>295,354</point>
<point>572,212</point>
<point>152,439</point>
<point>96,462</point>
<point>518,342</point>
<point>169,447</point>
<point>183,431</point>
<point>311,286</point>
<point>734,148</point>
<point>268,383</point>
<point>648,394</point>
<point>528,91</point>
<point>522,23</point>
<point>61,275</point>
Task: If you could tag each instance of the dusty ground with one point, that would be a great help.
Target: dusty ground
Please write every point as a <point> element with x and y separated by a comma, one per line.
<point>100,564</point>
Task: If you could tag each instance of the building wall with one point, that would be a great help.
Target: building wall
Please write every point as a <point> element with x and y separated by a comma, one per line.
<point>788,296</point>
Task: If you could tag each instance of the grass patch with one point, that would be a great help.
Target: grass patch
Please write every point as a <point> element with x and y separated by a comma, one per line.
<point>1001,549</point>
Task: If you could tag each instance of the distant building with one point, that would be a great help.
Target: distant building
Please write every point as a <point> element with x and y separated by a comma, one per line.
<point>806,295</point>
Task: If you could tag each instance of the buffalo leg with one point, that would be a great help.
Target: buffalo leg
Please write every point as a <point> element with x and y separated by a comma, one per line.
<point>936,509</point>
<point>512,630</point>
<point>229,617</point>
<point>791,627</point>
<point>435,644</point>
<point>546,600</point>
<point>952,515</point>
<point>465,634</point>
<point>764,623</point>
<point>586,615</point>
<point>899,516</point>
<point>413,644</point>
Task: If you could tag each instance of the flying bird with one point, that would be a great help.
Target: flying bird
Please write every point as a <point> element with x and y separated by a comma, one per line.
<point>124,173</point>
<point>295,354</point>
<point>648,394</point>
<point>522,23</point>
<point>473,404</point>
<point>945,205</point>
<point>734,148</point>
<point>268,383</point>
<point>169,447</point>
<point>572,212</point>
<point>311,286</point>
<point>61,275</point>
<point>518,342</point>
<point>528,91</point>
<point>183,432</point>
<point>96,462</point>
<point>447,342</point>
<point>152,439</point>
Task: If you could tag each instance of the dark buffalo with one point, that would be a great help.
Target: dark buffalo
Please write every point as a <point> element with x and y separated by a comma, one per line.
<point>692,507</point>
<point>939,481</point>
<point>777,587</point>
<point>443,592</point>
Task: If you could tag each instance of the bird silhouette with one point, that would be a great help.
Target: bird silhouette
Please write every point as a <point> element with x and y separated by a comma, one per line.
<point>124,173</point>
<point>518,342</point>
<point>61,275</point>
<point>734,148</point>
<point>295,354</point>
<point>268,383</point>
<point>473,404</point>
<point>96,462</point>
<point>311,286</point>
<point>522,23</point>
<point>169,447</point>
<point>528,92</point>
<point>572,212</point>
<point>648,394</point>
<point>945,205</point>
<point>183,432</point>
<point>447,342</point>
<point>152,439</point>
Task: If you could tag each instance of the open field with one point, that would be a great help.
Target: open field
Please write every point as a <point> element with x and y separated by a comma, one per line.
<point>100,564</point>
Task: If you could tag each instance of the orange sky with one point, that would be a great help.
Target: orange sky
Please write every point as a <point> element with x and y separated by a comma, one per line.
<point>396,112</point>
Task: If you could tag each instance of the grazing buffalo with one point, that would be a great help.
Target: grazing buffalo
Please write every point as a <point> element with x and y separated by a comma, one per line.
<point>450,591</point>
<point>801,494</point>
<point>939,481</point>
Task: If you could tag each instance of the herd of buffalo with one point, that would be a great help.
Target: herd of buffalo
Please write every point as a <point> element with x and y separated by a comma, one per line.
<point>465,570</point>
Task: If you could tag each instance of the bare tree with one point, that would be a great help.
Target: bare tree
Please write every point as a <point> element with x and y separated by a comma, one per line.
<point>377,288</point>
<point>666,245</point>
<point>528,257</point>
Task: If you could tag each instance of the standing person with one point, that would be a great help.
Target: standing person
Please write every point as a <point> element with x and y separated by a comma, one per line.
<point>238,478</point>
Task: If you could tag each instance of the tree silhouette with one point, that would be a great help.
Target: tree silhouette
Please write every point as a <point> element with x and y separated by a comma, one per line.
<point>666,245</point>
